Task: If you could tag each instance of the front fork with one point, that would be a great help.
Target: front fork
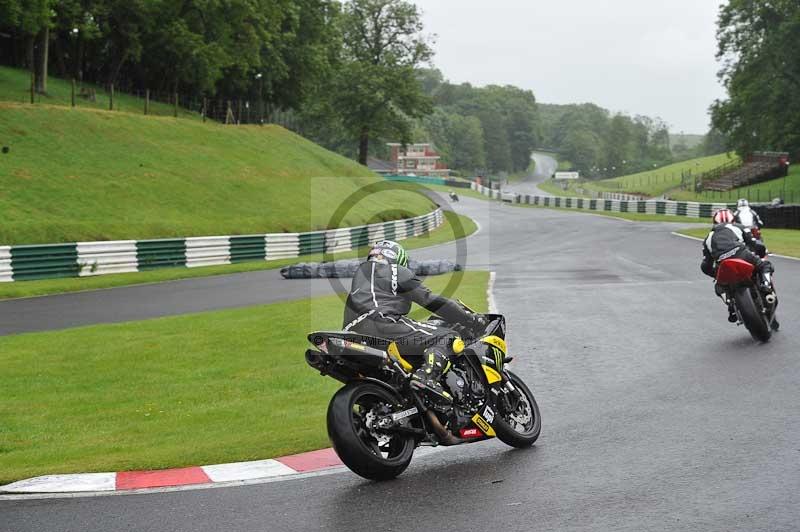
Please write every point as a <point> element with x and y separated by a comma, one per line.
<point>507,396</point>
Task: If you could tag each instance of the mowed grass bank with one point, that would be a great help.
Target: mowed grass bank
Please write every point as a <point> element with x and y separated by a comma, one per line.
<point>455,226</point>
<point>787,188</point>
<point>653,182</point>
<point>15,86</point>
<point>780,241</point>
<point>84,175</point>
<point>190,390</point>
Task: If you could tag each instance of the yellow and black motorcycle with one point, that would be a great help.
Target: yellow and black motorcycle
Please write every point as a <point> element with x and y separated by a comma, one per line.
<point>377,419</point>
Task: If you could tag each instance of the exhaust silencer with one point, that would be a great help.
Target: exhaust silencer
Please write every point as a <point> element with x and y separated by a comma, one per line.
<point>771,299</point>
<point>446,438</point>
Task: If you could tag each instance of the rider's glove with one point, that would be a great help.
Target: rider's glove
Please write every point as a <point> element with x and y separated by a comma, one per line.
<point>479,321</point>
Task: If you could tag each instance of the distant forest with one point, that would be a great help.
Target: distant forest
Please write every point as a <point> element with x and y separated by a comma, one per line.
<point>357,74</point>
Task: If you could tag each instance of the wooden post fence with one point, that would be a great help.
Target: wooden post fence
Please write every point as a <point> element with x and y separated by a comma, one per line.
<point>111,98</point>
<point>147,101</point>
<point>73,92</point>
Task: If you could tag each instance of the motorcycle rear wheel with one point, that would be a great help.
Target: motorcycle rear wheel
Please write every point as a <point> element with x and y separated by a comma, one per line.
<point>752,317</point>
<point>364,451</point>
<point>514,428</point>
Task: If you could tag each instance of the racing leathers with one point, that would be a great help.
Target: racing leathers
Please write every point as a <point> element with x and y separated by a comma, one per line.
<point>747,217</point>
<point>378,305</point>
<point>727,241</point>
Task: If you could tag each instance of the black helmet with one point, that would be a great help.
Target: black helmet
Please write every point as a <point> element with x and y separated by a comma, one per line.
<point>389,251</point>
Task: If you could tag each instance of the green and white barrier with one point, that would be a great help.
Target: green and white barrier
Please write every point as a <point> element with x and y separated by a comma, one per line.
<point>668,208</point>
<point>81,259</point>
<point>5,264</point>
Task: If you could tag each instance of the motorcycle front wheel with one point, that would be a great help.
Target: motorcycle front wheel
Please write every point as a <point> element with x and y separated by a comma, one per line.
<point>752,317</point>
<point>518,423</point>
<point>367,452</point>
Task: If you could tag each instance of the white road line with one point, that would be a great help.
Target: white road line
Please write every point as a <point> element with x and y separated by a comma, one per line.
<point>490,294</point>
<point>686,236</point>
<point>771,254</point>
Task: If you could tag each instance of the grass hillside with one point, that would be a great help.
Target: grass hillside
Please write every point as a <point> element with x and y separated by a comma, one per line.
<point>15,85</point>
<point>651,183</point>
<point>788,189</point>
<point>82,174</point>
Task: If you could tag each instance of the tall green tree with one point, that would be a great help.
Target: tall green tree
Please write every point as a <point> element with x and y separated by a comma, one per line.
<point>375,90</point>
<point>757,44</point>
<point>32,20</point>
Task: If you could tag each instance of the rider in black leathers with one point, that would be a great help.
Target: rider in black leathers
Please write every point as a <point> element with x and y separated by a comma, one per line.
<point>728,240</point>
<point>380,298</point>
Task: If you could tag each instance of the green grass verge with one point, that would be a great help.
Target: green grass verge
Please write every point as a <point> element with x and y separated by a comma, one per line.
<point>15,87</point>
<point>85,175</point>
<point>564,166</point>
<point>550,186</point>
<point>447,232</point>
<point>780,241</point>
<point>516,177</point>
<point>197,389</point>
<point>787,188</point>
<point>633,216</point>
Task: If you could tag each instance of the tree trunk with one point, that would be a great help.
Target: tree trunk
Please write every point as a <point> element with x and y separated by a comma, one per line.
<point>61,66</point>
<point>119,61</point>
<point>44,56</point>
<point>30,63</point>
<point>363,146</point>
<point>79,59</point>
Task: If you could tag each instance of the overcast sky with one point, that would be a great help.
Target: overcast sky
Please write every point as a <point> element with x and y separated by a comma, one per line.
<point>650,57</point>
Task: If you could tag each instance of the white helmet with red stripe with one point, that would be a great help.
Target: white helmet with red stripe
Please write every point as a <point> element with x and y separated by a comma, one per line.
<point>723,216</point>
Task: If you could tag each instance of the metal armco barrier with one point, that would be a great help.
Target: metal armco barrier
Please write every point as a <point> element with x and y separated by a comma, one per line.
<point>777,217</point>
<point>780,216</point>
<point>425,180</point>
<point>82,259</point>
<point>416,179</point>
<point>669,208</point>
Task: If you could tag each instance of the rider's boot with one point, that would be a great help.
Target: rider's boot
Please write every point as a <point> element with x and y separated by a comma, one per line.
<point>426,378</point>
<point>732,317</point>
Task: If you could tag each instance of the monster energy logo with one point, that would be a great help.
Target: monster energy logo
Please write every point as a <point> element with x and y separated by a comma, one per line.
<point>498,358</point>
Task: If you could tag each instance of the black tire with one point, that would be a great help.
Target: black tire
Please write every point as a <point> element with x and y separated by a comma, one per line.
<point>510,435</point>
<point>753,319</point>
<point>353,443</point>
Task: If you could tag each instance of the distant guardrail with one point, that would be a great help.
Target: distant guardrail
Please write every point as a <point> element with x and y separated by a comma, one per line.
<point>425,180</point>
<point>82,259</point>
<point>653,206</point>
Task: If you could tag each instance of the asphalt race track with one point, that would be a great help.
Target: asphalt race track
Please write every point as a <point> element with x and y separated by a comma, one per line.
<point>546,165</point>
<point>657,413</point>
<point>195,295</point>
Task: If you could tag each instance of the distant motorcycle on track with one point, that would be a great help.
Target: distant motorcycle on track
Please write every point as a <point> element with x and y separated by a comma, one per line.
<point>378,419</point>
